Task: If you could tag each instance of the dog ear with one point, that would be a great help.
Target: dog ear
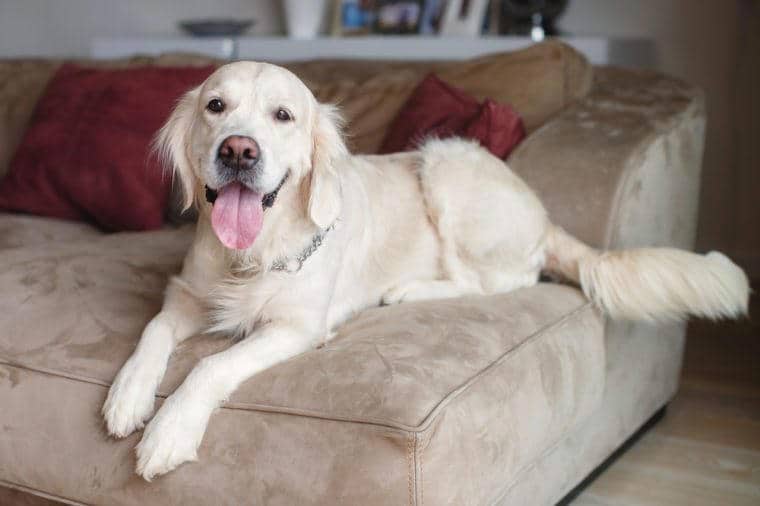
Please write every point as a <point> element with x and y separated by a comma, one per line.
<point>328,148</point>
<point>171,144</point>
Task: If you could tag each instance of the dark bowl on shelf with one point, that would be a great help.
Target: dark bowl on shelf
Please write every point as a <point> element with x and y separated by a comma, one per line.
<point>216,27</point>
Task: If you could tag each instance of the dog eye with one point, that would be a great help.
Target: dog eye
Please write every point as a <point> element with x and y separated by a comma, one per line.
<point>215,105</point>
<point>283,115</point>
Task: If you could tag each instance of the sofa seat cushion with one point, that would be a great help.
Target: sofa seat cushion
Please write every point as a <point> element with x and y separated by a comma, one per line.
<point>22,231</point>
<point>448,400</point>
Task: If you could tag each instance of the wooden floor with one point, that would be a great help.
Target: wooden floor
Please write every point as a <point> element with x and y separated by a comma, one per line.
<point>706,450</point>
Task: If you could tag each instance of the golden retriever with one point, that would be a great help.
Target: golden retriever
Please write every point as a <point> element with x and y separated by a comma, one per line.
<point>295,235</point>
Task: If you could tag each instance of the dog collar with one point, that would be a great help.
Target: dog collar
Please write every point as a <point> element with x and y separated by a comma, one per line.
<point>266,201</point>
<point>294,264</point>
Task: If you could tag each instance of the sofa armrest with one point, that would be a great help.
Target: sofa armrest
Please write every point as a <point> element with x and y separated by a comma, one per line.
<point>621,167</point>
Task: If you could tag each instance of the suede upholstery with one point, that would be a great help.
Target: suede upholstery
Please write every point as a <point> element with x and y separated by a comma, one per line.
<point>538,81</point>
<point>616,166</point>
<point>509,399</point>
<point>347,423</point>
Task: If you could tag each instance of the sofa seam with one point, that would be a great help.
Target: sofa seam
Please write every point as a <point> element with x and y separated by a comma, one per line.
<point>554,445</point>
<point>409,467</point>
<point>453,394</point>
<point>422,476</point>
<point>549,450</point>
<point>39,493</point>
<point>390,424</point>
<point>273,409</point>
<point>553,448</point>
<point>571,431</point>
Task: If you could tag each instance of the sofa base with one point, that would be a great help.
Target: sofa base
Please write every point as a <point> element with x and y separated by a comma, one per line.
<point>18,497</point>
<point>627,444</point>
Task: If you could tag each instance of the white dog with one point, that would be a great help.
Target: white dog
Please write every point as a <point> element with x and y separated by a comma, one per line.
<point>295,235</point>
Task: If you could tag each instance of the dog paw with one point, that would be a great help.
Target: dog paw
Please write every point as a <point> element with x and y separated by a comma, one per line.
<point>130,400</point>
<point>170,439</point>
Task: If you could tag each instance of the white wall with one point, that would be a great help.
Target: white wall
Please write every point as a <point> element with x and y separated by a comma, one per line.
<point>65,27</point>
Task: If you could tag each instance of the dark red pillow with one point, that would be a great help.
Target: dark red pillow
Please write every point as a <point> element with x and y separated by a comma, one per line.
<point>436,109</point>
<point>86,154</point>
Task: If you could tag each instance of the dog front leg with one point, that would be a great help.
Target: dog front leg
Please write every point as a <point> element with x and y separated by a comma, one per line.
<point>174,434</point>
<point>132,395</point>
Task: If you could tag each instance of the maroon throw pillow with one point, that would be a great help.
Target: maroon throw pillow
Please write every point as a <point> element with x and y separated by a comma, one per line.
<point>86,154</point>
<point>436,109</point>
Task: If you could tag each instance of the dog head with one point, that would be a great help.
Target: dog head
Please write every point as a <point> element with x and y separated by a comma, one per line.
<point>249,129</point>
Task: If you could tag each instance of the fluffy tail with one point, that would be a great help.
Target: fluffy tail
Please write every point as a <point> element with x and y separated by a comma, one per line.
<point>651,284</point>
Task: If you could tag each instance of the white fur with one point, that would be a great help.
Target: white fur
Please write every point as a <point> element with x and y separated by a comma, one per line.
<point>652,284</point>
<point>662,284</point>
<point>447,220</point>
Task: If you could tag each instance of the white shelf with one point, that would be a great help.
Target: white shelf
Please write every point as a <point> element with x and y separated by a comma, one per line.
<point>280,49</point>
<point>120,47</point>
<point>387,48</point>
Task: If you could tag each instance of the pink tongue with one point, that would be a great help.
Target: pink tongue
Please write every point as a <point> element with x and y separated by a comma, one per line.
<point>237,216</point>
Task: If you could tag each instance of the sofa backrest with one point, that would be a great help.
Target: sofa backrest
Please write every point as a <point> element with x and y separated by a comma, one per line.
<point>538,81</point>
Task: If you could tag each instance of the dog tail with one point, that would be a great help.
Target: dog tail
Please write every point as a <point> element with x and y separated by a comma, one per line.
<point>650,284</point>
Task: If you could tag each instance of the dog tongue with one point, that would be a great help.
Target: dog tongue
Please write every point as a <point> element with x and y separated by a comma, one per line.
<point>237,216</point>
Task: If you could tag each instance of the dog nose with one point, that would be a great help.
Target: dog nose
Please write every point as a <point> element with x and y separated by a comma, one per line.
<point>239,152</point>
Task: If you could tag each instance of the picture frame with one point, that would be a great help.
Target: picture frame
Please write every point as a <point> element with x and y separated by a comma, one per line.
<point>384,17</point>
<point>416,17</point>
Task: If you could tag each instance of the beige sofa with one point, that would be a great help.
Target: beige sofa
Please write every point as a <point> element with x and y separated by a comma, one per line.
<point>510,399</point>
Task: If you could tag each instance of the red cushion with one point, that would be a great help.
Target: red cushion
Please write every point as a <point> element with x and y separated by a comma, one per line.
<point>436,109</point>
<point>86,154</point>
